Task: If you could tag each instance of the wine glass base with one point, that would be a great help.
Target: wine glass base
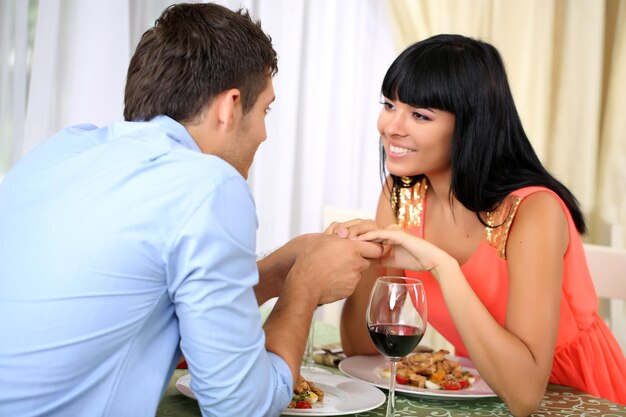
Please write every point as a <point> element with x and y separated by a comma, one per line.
<point>308,366</point>
<point>314,370</point>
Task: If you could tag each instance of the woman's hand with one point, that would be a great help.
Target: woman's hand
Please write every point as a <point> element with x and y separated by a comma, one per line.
<point>351,229</point>
<point>406,251</point>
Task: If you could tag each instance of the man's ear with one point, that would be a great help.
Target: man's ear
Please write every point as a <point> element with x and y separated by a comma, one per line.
<point>228,108</point>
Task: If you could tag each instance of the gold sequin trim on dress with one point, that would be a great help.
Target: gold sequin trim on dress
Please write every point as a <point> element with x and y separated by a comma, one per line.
<point>410,203</point>
<point>499,222</point>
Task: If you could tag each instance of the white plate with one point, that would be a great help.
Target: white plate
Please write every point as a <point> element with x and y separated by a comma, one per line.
<point>368,369</point>
<point>342,395</point>
<point>183,385</point>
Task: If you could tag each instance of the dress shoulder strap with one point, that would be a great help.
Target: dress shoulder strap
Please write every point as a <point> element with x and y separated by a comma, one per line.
<point>500,220</point>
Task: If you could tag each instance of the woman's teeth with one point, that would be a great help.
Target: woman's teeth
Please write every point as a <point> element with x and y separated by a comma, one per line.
<point>399,151</point>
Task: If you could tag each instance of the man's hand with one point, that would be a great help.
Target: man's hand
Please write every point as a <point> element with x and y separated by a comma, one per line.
<point>327,269</point>
<point>273,269</point>
<point>284,257</point>
<point>331,266</point>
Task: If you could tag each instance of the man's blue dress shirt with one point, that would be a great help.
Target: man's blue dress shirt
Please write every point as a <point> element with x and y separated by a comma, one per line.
<point>117,244</point>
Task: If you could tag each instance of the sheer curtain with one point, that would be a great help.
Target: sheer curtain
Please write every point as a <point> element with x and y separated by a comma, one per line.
<point>322,146</point>
<point>16,29</point>
<point>78,72</point>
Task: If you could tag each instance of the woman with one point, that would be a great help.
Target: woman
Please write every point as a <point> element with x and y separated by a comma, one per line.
<point>493,236</point>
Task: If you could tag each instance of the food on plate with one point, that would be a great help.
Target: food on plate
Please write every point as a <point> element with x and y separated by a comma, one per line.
<point>305,394</point>
<point>432,371</point>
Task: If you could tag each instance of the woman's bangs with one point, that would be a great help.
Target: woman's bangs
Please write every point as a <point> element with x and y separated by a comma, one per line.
<point>419,82</point>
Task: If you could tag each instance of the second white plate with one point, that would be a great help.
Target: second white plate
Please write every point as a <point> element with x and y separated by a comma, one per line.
<point>342,395</point>
<point>368,369</point>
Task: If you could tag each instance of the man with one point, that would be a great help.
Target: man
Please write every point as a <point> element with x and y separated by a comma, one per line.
<point>120,244</point>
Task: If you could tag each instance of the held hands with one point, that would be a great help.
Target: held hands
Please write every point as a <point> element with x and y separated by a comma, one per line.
<point>330,267</point>
<point>405,251</point>
<point>351,229</point>
<point>401,249</point>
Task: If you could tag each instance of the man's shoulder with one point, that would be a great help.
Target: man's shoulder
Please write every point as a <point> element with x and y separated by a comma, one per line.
<point>160,146</point>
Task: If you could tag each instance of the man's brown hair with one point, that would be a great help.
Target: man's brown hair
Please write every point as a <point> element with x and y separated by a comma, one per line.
<point>193,53</point>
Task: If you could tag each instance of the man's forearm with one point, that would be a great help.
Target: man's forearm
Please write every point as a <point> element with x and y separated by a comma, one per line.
<point>271,278</point>
<point>287,327</point>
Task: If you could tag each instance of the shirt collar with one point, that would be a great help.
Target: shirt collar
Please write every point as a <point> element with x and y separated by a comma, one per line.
<point>176,131</point>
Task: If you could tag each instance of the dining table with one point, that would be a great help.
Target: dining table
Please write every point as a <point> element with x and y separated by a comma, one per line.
<point>557,401</point>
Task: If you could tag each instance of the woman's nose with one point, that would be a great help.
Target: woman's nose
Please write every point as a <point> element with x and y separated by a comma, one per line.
<point>395,126</point>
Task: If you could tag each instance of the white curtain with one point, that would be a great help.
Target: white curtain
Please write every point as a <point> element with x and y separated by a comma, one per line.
<point>79,66</point>
<point>14,64</point>
<point>80,56</point>
<point>322,146</point>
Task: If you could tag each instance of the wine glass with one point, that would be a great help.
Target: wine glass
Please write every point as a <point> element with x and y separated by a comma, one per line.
<point>307,361</point>
<point>396,321</point>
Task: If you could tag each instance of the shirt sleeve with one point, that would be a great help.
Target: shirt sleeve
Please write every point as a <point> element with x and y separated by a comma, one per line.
<point>211,274</point>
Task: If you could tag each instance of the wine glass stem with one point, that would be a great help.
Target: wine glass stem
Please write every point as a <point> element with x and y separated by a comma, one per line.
<point>308,356</point>
<point>391,401</point>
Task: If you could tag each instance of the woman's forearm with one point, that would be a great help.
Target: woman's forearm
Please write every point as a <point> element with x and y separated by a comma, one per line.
<point>509,365</point>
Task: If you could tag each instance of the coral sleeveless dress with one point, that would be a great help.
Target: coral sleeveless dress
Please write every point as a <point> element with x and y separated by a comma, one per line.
<point>587,355</point>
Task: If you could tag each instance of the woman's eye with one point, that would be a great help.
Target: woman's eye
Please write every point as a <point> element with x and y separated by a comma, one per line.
<point>387,105</point>
<point>419,116</point>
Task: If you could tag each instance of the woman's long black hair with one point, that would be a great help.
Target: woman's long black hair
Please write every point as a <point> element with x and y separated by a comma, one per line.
<point>491,154</point>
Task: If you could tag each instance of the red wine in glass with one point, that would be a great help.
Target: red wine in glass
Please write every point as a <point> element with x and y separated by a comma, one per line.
<point>395,340</point>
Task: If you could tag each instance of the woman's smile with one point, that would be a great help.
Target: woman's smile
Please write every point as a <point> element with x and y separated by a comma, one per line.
<point>398,151</point>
